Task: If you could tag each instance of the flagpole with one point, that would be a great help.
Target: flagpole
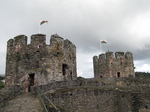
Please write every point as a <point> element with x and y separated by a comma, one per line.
<point>39,28</point>
<point>43,21</point>
<point>101,47</point>
<point>102,42</point>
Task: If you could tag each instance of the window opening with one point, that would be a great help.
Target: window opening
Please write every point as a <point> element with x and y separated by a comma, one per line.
<point>118,74</point>
<point>64,68</point>
<point>37,64</point>
<point>38,46</point>
<point>71,75</point>
<point>57,46</point>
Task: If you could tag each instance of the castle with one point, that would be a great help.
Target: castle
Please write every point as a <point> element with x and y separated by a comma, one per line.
<point>52,69</point>
<point>106,65</point>
<point>38,63</point>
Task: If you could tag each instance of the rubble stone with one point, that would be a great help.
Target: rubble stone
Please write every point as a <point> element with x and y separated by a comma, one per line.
<point>106,65</point>
<point>37,63</point>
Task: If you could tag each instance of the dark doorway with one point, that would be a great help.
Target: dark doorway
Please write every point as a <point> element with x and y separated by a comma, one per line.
<point>64,67</point>
<point>31,81</point>
<point>118,74</point>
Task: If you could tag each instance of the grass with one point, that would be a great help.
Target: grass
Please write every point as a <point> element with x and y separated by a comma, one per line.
<point>1,85</point>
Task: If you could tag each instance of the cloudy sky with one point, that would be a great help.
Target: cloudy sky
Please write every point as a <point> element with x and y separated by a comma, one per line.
<point>124,24</point>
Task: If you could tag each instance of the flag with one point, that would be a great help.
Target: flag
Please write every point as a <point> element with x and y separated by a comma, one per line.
<point>103,41</point>
<point>42,22</point>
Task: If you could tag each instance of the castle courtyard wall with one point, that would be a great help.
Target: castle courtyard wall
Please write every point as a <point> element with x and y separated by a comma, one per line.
<point>103,95</point>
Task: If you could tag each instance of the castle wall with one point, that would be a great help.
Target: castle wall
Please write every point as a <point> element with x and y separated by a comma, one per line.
<point>101,95</point>
<point>108,65</point>
<point>99,100</point>
<point>38,63</point>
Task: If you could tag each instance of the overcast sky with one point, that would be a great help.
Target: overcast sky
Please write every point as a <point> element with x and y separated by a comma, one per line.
<point>124,24</point>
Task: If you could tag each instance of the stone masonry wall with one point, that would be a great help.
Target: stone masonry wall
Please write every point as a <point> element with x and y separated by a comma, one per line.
<point>100,100</point>
<point>134,84</point>
<point>108,95</point>
<point>106,65</point>
<point>38,63</point>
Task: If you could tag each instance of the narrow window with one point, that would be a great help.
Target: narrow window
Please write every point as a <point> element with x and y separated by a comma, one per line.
<point>71,75</point>
<point>38,46</point>
<point>64,68</point>
<point>118,74</point>
<point>27,55</point>
<point>57,46</point>
<point>37,64</point>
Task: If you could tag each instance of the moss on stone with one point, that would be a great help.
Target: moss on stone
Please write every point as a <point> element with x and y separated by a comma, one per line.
<point>51,108</point>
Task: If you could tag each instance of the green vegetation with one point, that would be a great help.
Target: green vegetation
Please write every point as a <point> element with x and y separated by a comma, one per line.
<point>52,109</point>
<point>142,74</point>
<point>2,77</point>
<point>1,83</point>
<point>80,78</point>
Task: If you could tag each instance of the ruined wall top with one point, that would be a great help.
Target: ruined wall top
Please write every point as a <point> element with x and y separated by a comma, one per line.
<point>111,55</point>
<point>36,39</point>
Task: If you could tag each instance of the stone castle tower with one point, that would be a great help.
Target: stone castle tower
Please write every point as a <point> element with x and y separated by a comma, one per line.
<point>38,63</point>
<point>106,65</point>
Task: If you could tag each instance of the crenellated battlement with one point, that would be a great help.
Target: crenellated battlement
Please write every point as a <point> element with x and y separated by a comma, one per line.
<point>40,61</point>
<point>10,43</point>
<point>20,40</point>
<point>110,55</point>
<point>110,65</point>
<point>38,40</point>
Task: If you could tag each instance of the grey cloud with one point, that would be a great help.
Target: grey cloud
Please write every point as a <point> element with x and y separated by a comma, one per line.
<point>84,23</point>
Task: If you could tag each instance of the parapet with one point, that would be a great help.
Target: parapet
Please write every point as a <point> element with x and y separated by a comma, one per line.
<point>119,55</point>
<point>60,43</point>
<point>20,40</point>
<point>56,36</point>
<point>10,43</point>
<point>54,39</point>
<point>128,55</point>
<point>38,39</point>
<point>109,55</point>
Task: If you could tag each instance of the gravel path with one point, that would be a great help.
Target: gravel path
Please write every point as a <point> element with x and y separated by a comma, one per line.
<point>23,103</point>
